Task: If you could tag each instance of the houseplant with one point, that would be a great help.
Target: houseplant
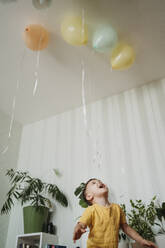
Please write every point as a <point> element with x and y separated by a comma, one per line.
<point>142,218</point>
<point>35,192</point>
<point>160,212</point>
<point>160,237</point>
<point>79,193</point>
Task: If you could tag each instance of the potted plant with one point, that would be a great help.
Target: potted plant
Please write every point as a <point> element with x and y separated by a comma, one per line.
<point>160,237</point>
<point>142,218</point>
<point>27,189</point>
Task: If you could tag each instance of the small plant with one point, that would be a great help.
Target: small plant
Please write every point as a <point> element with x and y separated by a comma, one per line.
<point>142,218</point>
<point>25,189</point>
<point>79,193</point>
<point>160,212</point>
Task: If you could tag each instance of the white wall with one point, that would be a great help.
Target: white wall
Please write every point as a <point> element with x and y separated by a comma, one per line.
<point>123,145</point>
<point>7,160</point>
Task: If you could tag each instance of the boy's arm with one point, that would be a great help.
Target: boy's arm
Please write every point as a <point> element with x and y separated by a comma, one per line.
<point>79,229</point>
<point>84,221</point>
<point>134,235</point>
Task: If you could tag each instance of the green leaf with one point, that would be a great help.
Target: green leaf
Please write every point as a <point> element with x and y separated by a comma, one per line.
<point>54,191</point>
<point>83,203</point>
<point>79,189</point>
<point>57,172</point>
<point>163,205</point>
<point>154,198</point>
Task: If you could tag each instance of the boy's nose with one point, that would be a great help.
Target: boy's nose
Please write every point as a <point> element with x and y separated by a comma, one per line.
<point>101,184</point>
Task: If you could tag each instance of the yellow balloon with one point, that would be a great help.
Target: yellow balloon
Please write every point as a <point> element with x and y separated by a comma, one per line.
<point>123,56</point>
<point>74,31</point>
<point>36,37</point>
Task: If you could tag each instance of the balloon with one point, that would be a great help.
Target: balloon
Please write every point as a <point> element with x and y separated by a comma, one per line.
<point>36,37</point>
<point>41,4</point>
<point>104,38</point>
<point>74,31</point>
<point>122,57</point>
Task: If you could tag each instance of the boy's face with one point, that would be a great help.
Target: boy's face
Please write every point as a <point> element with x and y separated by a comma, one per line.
<point>95,188</point>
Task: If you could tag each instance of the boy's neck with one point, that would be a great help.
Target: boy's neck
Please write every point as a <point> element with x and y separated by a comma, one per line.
<point>103,201</point>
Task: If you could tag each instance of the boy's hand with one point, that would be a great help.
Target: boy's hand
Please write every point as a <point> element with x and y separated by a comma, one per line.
<point>78,231</point>
<point>147,243</point>
<point>134,235</point>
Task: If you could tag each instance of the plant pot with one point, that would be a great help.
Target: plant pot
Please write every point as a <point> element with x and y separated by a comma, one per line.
<point>34,219</point>
<point>160,240</point>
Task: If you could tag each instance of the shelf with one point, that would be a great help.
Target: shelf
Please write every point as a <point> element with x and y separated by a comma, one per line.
<point>40,240</point>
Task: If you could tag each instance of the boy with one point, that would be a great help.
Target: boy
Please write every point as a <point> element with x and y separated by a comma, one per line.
<point>104,219</point>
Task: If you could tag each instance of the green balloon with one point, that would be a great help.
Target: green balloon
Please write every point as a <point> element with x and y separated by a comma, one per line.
<point>104,39</point>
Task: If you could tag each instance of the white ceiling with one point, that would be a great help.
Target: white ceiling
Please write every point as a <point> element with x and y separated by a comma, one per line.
<point>139,22</point>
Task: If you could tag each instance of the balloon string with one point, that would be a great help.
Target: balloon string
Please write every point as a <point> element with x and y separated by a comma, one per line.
<point>83,74</point>
<point>35,84</point>
<point>14,105</point>
<point>97,156</point>
<point>83,24</point>
<point>83,93</point>
<point>12,116</point>
<point>10,126</point>
<point>5,150</point>
<point>38,58</point>
<point>37,67</point>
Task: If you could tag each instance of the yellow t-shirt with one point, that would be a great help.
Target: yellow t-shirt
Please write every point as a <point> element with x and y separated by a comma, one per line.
<point>104,224</point>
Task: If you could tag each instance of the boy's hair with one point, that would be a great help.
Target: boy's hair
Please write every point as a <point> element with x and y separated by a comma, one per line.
<point>84,191</point>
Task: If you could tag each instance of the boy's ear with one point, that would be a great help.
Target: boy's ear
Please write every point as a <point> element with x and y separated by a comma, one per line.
<point>89,197</point>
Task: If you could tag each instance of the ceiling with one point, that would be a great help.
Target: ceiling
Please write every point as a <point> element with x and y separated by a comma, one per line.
<point>141,23</point>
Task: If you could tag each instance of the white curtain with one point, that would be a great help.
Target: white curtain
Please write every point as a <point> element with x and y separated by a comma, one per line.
<point>122,143</point>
